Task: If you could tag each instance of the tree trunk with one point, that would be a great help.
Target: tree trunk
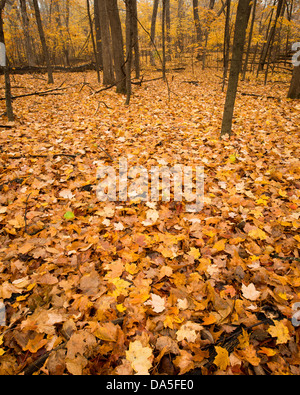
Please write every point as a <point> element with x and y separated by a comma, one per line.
<point>241,23</point>
<point>129,12</point>
<point>163,28</point>
<point>197,25</point>
<point>249,40</point>
<point>117,44</point>
<point>108,73</point>
<point>136,45</point>
<point>25,24</point>
<point>43,40</point>
<point>168,30</point>
<point>98,33</point>
<point>9,109</point>
<point>226,43</point>
<point>152,34</point>
<point>294,91</point>
<point>270,37</point>
<point>93,39</point>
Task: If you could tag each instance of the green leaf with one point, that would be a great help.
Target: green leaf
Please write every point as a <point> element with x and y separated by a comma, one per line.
<point>69,215</point>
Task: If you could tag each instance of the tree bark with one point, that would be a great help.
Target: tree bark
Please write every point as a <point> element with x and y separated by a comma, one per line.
<point>197,25</point>
<point>241,23</point>
<point>8,99</point>
<point>270,37</point>
<point>294,91</point>
<point>163,28</point>
<point>249,40</point>
<point>43,40</point>
<point>136,45</point>
<point>129,12</point>
<point>152,33</point>
<point>98,33</point>
<point>117,44</point>
<point>226,43</point>
<point>25,24</point>
<point>108,74</point>
<point>93,39</point>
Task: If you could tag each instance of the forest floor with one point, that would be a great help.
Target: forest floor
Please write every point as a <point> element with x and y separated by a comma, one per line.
<point>88,287</point>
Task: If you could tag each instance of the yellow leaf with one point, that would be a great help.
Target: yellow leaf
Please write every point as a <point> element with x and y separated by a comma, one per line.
<point>244,339</point>
<point>268,351</point>
<point>194,252</point>
<point>280,331</point>
<point>257,233</point>
<point>222,358</point>
<point>220,245</point>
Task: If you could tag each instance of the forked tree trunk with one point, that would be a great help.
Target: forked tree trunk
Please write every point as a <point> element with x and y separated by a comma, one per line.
<point>241,23</point>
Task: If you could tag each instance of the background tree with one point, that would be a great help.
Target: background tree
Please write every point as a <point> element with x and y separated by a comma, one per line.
<point>8,99</point>
<point>241,23</point>
<point>43,41</point>
<point>117,44</point>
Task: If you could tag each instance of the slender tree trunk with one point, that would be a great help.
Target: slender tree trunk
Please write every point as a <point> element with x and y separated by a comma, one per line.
<point>294,91</point>
<point>168,30</point>
<point>25,23</point>
<point>163,28</point>
<point>93,39</point>
<point>43,40</point>
<point>117,44</point>
<point>226,43</point>
<point>8,99</point>
<point>249,40</point>
<point>270,37</point>
<point>98,33</point>
<point>129,33</point>
<point>197,25</point>
<point>241,23</point>
<point>152,34</point>
<point>136,45</point>
<point>108,74</point>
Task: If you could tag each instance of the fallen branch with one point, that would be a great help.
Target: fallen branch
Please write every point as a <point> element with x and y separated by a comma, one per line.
<point>42,93</point>
<point>256,95</point>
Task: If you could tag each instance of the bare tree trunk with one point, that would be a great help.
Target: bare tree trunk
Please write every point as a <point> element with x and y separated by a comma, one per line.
<point>93,39</point>
<point>249,40</point>
<point>117,44</point>
<point>241,23</point>
<point>270,37</point>
<point>108,74</point>
<point>9,109</point>
<point>294,91</point>
<point>226,43</point>
<point>98,33</point>
<point>197,26</point>
<point>152,34</point>
<point>163,28</point>
<point>25,23</point>
<point>43,40</point>
<point>168,30</point>
<point>129,13</point>
<point>136,45</point>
